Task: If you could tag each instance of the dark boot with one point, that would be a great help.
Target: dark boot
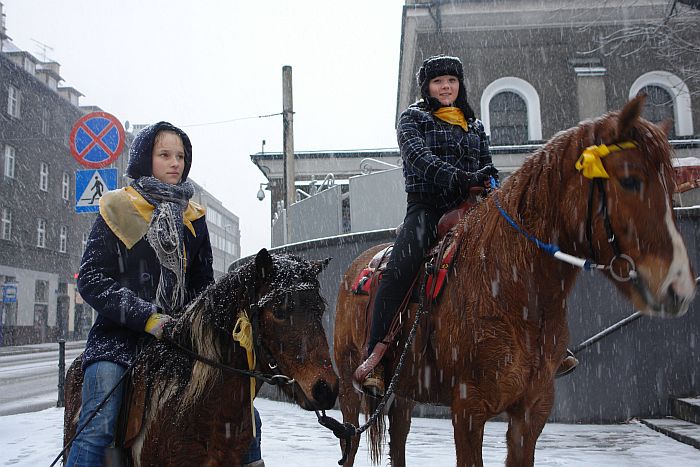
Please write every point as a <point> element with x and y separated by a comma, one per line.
<point>373,384</point>
<point>567,365</point>
<point>369,376</point>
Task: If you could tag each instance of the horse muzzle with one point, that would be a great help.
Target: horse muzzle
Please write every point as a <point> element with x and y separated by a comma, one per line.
<point>323,395</point>
<point>674,301</point>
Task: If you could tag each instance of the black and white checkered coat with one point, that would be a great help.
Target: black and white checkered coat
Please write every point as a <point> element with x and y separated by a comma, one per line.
<point>434,152</point>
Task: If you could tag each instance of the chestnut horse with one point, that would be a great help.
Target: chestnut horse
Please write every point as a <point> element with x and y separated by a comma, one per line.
<point>493,341</point>
<point>195,413</point>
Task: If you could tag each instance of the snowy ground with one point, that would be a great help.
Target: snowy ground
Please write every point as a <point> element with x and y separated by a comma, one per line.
<point>292,437</point>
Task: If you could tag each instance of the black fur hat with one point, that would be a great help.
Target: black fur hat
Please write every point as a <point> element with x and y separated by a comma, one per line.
<point>141,151</point>
<point>441,65</point>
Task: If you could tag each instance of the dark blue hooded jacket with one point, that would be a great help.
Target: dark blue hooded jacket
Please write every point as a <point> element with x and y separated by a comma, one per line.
<point>119,273</point>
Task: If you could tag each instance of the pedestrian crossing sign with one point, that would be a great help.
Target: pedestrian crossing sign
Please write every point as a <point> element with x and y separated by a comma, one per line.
<point>90,185</point>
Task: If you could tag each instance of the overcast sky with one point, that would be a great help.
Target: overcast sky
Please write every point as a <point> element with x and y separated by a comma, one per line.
<point>195,62</point>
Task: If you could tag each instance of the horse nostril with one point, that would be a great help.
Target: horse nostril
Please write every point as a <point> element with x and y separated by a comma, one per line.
<point>324,395</point>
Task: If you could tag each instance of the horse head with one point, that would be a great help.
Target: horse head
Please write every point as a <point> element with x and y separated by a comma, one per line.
<point>623,181</point>
<point>290,335</point>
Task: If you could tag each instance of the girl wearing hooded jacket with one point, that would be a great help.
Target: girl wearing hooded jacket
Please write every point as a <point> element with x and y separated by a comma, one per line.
<point>147,256</point>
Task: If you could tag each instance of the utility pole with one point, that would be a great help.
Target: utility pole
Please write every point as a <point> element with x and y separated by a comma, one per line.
<point>288,144</point>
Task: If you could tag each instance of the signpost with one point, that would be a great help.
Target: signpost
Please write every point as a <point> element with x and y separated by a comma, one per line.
<point>90,185</point>
<point>9,293</point>
<point>97,139</point>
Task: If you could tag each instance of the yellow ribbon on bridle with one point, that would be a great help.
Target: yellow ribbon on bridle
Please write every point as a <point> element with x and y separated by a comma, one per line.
<point>590,162</point>
<point>243,334</point>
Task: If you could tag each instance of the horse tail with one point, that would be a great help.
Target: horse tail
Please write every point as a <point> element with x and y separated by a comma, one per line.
<point>376,431</point>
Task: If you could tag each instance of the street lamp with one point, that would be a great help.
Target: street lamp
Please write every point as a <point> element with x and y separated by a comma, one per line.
<point>261,193</point>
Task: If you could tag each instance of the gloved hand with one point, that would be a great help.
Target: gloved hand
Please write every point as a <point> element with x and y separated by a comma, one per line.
<point>485,172</point>
<point>470,179</point>
<point>155,324</point>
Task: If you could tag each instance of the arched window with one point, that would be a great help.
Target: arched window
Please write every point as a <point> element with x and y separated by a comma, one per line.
<point>528,104</point>
<point>679,96</point>
<point>508,112</point>
<point>659,105</point>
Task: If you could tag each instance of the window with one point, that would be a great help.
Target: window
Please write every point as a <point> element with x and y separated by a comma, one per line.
<point>9,162</point>
<point>659,105</point>
<point>508,113</point>
<point>45,121</point>
<point>214,216</point>
<point>63,239</point>
<point>13,101</point>
<point>6,224</point>
<point>41,291</point>
<point>41,233</point>
<point>44,177</point>
<point>85,239</point>
<point>65,186</point>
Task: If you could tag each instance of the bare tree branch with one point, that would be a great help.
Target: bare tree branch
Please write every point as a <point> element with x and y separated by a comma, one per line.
<point>672,40</point>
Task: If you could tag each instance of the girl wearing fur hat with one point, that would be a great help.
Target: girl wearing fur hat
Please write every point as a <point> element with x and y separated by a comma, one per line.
<point>445,152</point>
<point>147,256</point>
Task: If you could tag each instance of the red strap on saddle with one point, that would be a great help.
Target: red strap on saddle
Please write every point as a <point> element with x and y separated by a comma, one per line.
<point>439,276</point>
<point>363,282</point>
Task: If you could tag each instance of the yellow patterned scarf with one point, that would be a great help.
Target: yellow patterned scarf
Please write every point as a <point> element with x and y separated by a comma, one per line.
<point>452,115</point>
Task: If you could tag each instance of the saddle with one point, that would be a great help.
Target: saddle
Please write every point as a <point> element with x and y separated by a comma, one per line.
<point>439,261</point>
<point>129,422</point>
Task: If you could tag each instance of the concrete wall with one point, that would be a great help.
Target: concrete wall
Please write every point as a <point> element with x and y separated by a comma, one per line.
<point>377,200</point>
<point>631,373</point>
<point>316,217</point>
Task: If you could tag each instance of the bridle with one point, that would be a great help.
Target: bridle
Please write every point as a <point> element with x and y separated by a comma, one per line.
<point>255,305</point>
<point>590,165</point>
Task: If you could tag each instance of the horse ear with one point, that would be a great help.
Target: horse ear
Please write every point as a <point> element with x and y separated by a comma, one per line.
<point>666,126</point>
<point>318,266</point>
<point>629,113</point>
<point>263,266</point>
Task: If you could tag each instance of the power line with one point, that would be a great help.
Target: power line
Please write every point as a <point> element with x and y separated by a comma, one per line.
<point>232,120</point>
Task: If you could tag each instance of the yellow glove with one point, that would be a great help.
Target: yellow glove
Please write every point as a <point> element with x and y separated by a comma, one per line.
<point>155,324</point>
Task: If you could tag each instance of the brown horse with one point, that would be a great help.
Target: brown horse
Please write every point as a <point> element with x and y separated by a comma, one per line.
<point>188,412</point>
<point>494,340</point>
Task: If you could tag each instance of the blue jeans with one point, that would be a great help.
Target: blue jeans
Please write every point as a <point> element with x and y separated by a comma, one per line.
<point>254,453</point>
<point>88,449</point>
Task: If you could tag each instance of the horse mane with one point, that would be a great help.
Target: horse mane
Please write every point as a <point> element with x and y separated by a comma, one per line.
<point>534,192</point>
<point>206,324</point>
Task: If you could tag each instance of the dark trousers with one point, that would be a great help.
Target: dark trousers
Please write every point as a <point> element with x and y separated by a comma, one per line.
<point>413,242</point>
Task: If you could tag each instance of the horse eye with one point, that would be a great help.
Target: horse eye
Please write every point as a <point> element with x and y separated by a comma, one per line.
<point>284,308</point>
<point>280,313</point>
<point>631,183</point>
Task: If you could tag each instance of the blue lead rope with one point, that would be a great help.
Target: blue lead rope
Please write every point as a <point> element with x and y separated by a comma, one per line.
<point>547,247</point>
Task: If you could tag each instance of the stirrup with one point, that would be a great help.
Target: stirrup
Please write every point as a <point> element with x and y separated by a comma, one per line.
<point>358,378</point>
<point>567,365</point>
<point>373,385</point>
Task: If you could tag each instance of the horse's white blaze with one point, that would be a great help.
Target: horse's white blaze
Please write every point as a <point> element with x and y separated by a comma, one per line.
<point>678,276</point>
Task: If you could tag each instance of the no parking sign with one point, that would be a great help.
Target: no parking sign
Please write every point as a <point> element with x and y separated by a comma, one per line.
<point>97,139</point>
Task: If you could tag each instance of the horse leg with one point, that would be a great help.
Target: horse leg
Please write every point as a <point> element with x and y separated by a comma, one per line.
<point>349,401</point>
<point>527,419</point>
<point>399,426</point>
<point>468,420</point>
